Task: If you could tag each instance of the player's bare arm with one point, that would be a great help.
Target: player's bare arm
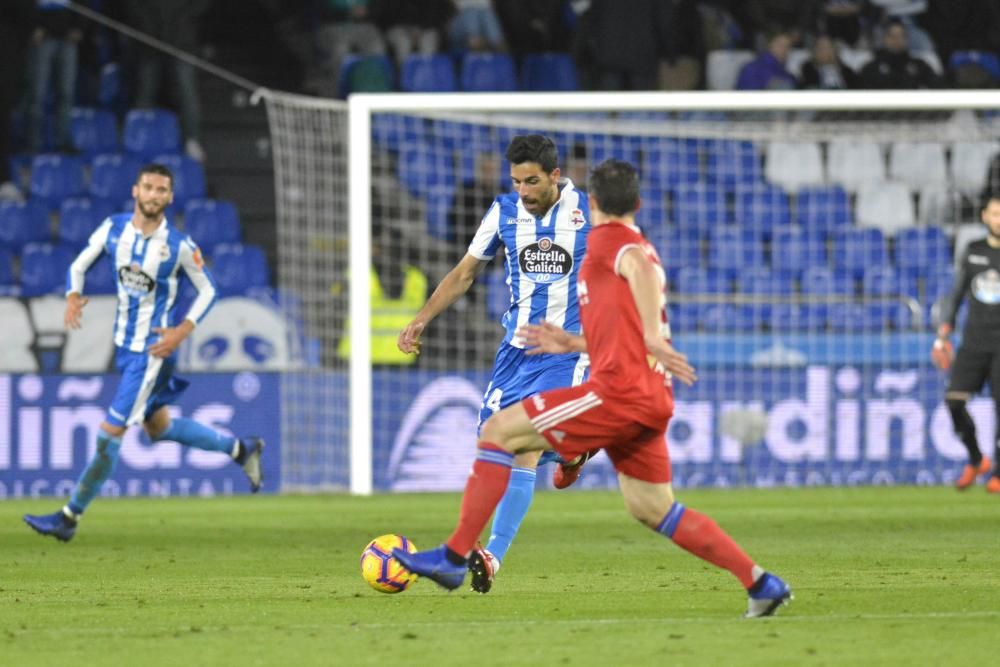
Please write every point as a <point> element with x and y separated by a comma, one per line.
<point>170,338</point>
<point>647,291</point>
<point>547,338</point>
<point>74,310</point>
<point>455,284</point>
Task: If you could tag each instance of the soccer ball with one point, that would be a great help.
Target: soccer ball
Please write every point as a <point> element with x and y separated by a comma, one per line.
<point>381,570</point>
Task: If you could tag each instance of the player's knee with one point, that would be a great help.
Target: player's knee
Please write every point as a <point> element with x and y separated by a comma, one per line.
<point>155,431</point>
<point>493,430</point>
<point>527,459</point>
<point>956,407</point>
<point>113,430</point>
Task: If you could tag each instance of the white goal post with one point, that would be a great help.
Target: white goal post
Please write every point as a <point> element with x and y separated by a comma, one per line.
<point>300,145</point>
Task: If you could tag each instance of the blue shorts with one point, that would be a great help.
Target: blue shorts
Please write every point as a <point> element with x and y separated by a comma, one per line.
<point>147,384</point>
<point>517,376</point>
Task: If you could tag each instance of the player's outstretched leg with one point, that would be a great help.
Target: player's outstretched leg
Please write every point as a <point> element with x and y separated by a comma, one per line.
<point>965,428</point>
<point>246,452</point>
<point>487,483</point>
<point>483,567</point>
<point>62,524</point>
<point>700,535</point>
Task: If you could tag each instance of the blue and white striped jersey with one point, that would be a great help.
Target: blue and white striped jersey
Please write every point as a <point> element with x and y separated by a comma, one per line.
<point>146,274</point>
<point>543,257</point>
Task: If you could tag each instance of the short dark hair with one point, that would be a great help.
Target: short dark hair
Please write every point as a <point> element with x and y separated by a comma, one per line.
<point>615,186</point>
<point>533,148</point>
<point>158,169</point>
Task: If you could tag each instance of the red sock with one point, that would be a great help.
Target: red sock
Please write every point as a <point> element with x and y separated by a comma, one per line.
<point>483,491</point>
<point>700,535</point>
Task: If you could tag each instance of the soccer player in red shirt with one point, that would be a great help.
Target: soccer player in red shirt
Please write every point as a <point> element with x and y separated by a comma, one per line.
<point>623,409</point>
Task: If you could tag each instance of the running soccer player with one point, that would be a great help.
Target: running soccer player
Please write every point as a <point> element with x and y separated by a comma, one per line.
<point>623,408</point>
<point>543,226</point>
<point>147,254</point>
<point>977,359</point>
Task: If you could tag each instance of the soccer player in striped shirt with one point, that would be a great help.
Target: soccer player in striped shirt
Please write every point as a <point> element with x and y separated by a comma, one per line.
<point>542,226</point>
<point>624,407</point>
<point>147,255</point>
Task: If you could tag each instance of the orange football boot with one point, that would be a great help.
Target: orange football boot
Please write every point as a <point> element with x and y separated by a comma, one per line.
<point>970,473</point>
<point>993,485</point>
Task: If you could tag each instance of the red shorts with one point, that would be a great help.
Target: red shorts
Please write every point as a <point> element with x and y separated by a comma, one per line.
<point>576,419</point>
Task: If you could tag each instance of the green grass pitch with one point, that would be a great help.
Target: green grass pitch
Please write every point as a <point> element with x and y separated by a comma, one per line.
<point>882,576</point>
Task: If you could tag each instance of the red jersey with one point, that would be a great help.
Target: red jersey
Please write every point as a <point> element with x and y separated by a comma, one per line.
<point>620,366</point>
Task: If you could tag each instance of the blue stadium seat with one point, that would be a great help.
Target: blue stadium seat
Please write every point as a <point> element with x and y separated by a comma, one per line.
<point>497,294</point>
<point>7,281</point>
<point>988,61</point>
<point>795,249</point>
<point>101,277</point>
<point>601,147</point>
<point>735,248</point>
<point>854,317</point>
<point>23,223</point>
<point>732,163</point>
<point>487,72</point>
<point>109,86</point>
<point>391,131</point>
<point>422,166</point>
<point>189,179</point>
<point>880,281</point>
<point>237,268</point>
<point>823,209</point>
<point>722,317</point>
<point>922,248</point>
<point>150,132</point>
<point>43,268</point>
<point>670,162</point>
<point>211,222</point>
<point>548,71</point>
<point>653,210</point>
<point>79,217</point>
<point>909,283</point>
<point>55,177</point>
<point>939,282</point>
<point>440,200</point>
<point>798,317</point>
<point>700,206</point>
<point>760,281</point>
<point>855,249</point>
<point>824,281</point>
<point>694,281</point>
<point>678,248</point>
<point>762,207</point>
<point>428,74</point>
<point>94,131</point>
<point>112,176</point>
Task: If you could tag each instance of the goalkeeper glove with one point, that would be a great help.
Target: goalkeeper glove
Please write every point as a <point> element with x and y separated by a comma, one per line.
<point>942,351</point>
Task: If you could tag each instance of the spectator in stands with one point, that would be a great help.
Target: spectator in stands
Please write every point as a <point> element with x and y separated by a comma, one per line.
<point>908,12</point>
<point>844,21</point>
<point>963,25</point>
<point>475,27</point>
<point>412,27</point>
<point>535,26</point>
<point>620,49</point>
<point>682,45</point>
<point>473,198</point>
<point>793,18</point>
<point>767,71</point>
<point>825,70</point>
<point>175,22</point>
<point>15,27</point>
<point>893,67</point>
<point>53,57</point>
<point>347,28</point>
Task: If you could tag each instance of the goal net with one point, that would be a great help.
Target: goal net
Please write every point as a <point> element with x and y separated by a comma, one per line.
<point>808,240</point>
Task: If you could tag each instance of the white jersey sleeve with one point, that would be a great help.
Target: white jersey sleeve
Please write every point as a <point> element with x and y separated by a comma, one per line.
<point>194,266</point>
<point>487,240</point>
<point>78,269</point>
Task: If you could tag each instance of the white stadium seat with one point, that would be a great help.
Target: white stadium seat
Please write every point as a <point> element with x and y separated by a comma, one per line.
<point>887,206</point>
<point>918,164</point>
<point>852,164</point>
<point>794,165</point>
<point>970,162</point>
<point>723,68</point>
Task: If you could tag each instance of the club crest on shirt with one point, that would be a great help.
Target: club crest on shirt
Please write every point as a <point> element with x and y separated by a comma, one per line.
<point>545,261</point>
<point>986,286</point>
<point>576,217</point>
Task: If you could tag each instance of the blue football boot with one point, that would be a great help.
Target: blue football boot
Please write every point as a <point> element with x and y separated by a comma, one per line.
<point>57,524</point>
<point>769,593</point>
<point>434,565</point>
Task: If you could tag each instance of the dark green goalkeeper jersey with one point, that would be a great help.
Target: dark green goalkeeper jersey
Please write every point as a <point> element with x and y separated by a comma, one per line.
<point>978,279</point>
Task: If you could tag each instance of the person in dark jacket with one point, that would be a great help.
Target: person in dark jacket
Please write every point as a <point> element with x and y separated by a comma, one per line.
<point>825,70</point>
<point>15,28</point>
<point>894,68</point>
<point>53,58</point>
